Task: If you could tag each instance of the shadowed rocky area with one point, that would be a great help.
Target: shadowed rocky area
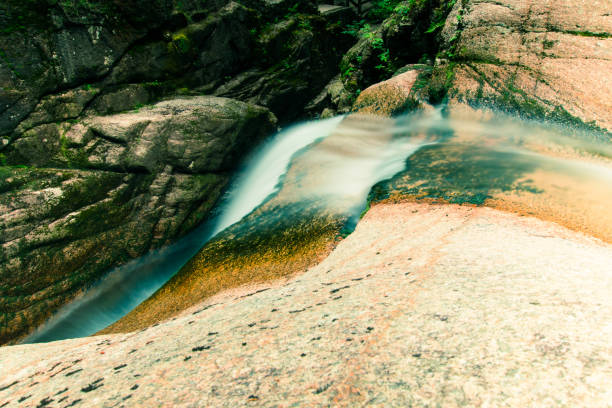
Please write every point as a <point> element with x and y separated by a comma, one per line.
<point>83,189</point>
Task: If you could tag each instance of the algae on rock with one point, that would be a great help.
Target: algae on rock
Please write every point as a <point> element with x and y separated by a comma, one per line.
<point>141,180</point>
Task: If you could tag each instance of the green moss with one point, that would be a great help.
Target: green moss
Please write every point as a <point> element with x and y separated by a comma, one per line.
<point>72,157</point>
<point>439,16</point>
<point>304,24</point>
<point>4,58</point>
<point>14,178</point>
<point>581,33</point>
<point>441,82</point>
<point>99,217</point>
<point>516,101</point>
<point>460,174</point>
<point>15,27</point>
<point>181,43</point>
<point>91,189</point>
<point>366,209</point>
<point>85,9</point>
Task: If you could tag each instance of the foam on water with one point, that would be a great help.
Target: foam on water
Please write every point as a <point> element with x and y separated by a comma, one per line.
<point>126,287</point>
<point>333,164</point>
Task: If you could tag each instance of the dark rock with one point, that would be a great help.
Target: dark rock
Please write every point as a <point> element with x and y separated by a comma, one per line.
<point>60,57</point>
<point>125,97</point>
<point>298,57</point>
<point>410,34</point>
<point>108,189</point>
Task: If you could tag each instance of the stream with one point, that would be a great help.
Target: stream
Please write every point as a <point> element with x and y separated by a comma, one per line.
<point>337,161</point>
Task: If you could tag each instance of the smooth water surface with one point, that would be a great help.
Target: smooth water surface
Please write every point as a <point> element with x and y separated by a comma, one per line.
<point>126,287</point>
<point>331,166</point>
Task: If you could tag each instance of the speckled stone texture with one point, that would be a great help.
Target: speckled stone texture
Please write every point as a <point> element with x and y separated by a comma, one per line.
<point>534,57</point>
<point>423,305</point>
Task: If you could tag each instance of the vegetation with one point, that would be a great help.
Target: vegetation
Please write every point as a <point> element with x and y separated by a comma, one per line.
<point>381,50</point>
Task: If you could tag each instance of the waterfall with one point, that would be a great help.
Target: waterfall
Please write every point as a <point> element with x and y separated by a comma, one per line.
<point>127,286</point>
<point>331,165</point>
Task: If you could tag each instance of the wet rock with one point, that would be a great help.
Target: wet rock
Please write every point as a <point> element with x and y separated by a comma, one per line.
<point>144,178</point>
<point>470,321</point>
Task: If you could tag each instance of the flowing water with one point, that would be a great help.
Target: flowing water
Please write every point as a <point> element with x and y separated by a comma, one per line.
<point>125,287</point>
<point>332,165</point>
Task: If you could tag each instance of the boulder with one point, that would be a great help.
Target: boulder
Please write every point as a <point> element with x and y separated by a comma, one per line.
<point>99,192</point>
<point>546,60</point>
<point>393,96</point>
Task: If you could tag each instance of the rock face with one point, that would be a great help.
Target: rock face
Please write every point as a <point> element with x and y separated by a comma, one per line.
<point>61,60</point>
<point>421,306</point>
<point>301,57</point>
<point>96,193</point>
<point>75,181</point>
<point>538,59</point>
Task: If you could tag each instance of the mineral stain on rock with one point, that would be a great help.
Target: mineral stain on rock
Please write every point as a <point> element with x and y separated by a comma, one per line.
<point>93,385</point>
<point>6,387</point>
<point>78,370</point>
<point>44,402</point>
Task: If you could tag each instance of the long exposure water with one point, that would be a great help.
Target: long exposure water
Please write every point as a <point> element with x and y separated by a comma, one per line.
<point>337,161</point>
<point>125,287</point>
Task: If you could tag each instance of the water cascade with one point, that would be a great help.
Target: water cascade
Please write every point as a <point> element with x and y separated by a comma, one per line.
<point>332,165</point>
<point>125,287</point>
